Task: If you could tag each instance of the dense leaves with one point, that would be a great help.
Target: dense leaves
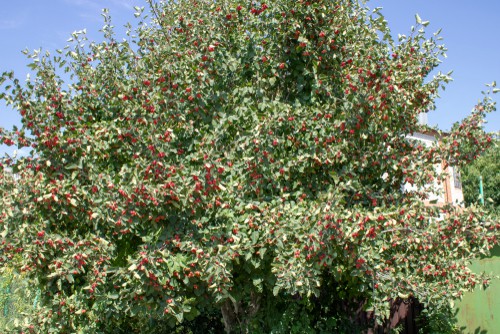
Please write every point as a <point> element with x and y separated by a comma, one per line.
<point>235,158</point>
<point>486,166</point>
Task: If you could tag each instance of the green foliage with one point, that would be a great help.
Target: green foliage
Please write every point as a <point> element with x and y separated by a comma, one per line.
<point>442,322</point>
<point>487,166</point>
<point>17,298</point>
<point>232,160</point>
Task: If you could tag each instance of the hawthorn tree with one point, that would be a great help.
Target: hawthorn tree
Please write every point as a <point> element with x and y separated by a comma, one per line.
<point>236,162</point>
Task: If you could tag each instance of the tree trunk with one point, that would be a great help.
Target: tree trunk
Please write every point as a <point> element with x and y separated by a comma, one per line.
<point>238,316</point>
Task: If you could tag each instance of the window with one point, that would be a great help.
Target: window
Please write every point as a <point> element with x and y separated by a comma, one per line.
<point>457,180</point>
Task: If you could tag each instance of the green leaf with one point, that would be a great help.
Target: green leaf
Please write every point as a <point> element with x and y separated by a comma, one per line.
<point>255,237</point>
<point>419,20</point>
<point>179,316</point>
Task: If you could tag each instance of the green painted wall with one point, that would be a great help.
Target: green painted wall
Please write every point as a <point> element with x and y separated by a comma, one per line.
<point>479,311</point>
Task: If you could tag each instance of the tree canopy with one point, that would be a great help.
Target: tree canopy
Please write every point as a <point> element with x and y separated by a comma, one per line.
<point>236,162</point>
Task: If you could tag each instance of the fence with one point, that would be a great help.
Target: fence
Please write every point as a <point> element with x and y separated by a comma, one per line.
<point>479,311</point>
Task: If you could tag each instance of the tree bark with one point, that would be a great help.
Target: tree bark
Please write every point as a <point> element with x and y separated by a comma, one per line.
<point>235,315</point>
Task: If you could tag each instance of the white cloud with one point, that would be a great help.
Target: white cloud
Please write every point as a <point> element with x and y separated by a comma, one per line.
<point>83,3</point>
<point>9,24</point>
<point>126,4</point>
<point>96,4</point>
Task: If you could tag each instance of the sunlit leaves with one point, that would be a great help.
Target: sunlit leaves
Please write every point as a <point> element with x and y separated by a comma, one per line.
<point>229,152</point>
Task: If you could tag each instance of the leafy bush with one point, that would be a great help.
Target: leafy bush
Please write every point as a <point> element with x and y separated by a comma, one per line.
<point>487,166</point>
<point>228,163</point>
<point>17,298</point>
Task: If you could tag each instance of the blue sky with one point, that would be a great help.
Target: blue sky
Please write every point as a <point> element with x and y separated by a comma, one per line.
<point>471,33</point>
